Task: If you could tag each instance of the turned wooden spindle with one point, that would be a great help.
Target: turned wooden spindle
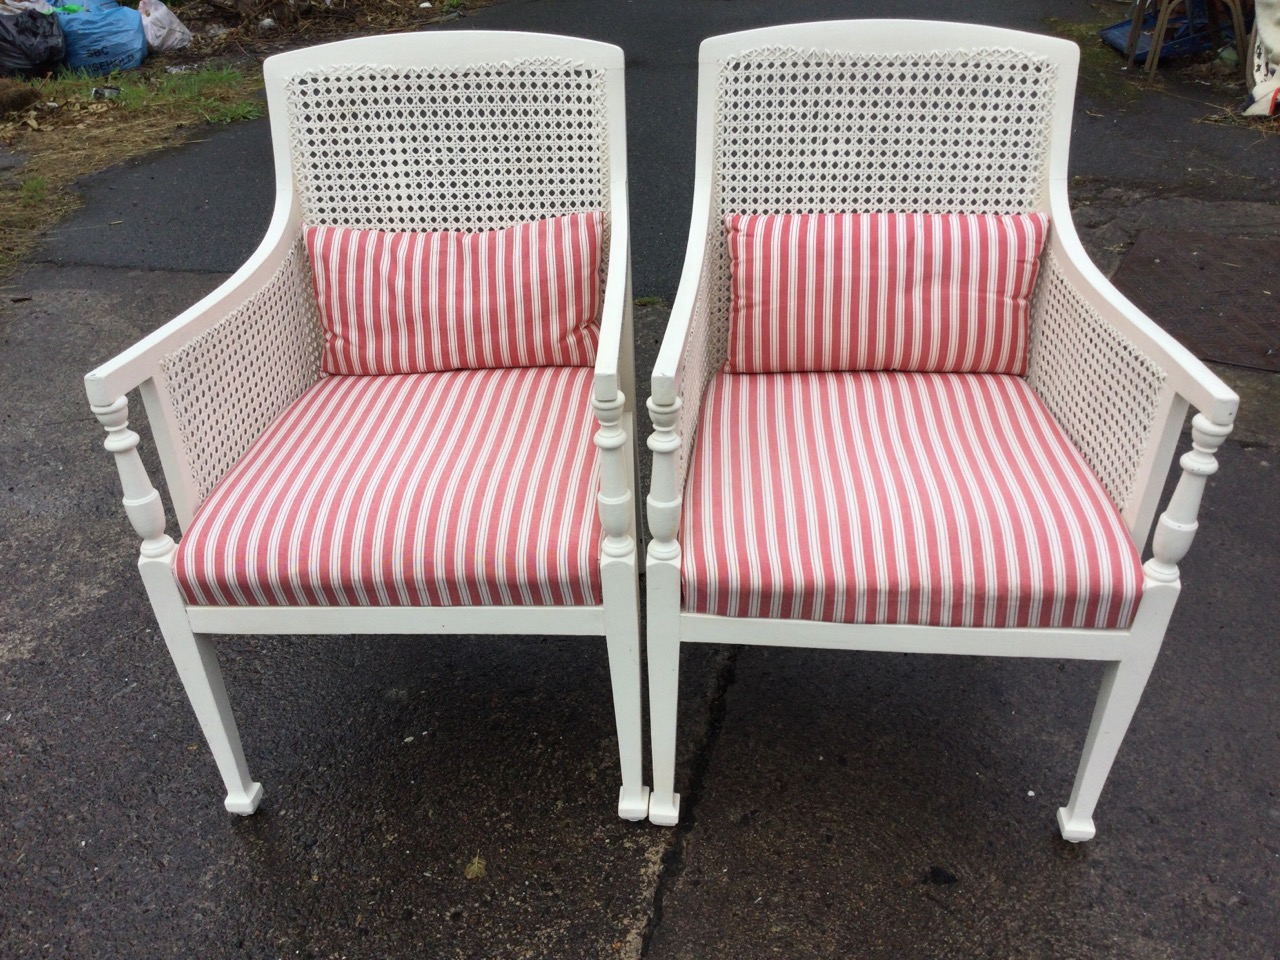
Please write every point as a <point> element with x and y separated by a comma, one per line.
<point>615,499</point>
<point>1177,525</point>
<point>664,500</point>
<point>142,501</point>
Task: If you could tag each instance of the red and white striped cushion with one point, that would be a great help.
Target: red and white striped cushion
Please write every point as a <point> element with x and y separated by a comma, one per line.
<point>882,291</point>
<point>920,498</point>
<point>525,296</point>
<point>410,490</point>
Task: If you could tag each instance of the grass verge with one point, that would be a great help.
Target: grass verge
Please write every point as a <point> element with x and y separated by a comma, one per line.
<point>69,133</point>
<point>1103,76</point>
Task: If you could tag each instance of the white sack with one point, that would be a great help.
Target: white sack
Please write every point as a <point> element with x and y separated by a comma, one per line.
<point>163,28</point>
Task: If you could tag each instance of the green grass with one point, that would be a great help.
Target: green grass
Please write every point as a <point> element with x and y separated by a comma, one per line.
<point>34,191</point>
<point>215,94</point>
<point>1102,73</point>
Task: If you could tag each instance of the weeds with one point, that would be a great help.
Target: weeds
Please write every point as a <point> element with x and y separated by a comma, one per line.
<point>69,134</point>
<point>1102,71</point>
<point>35,190</point>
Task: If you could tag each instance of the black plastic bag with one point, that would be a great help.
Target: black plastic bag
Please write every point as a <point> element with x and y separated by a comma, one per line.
<point>31,44</point>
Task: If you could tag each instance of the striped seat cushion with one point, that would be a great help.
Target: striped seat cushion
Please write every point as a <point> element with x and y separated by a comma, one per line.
<point>526,296</point>
<point>410,490</point>
<point>918,498</point>
<point>882,291</point>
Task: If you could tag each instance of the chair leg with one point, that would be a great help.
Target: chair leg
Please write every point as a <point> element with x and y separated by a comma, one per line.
<point>1122,684</point>
<point>663,604</point>
<point>1137,14</point>
<point>197,664</point>
<point>622,635</point>
<point>1243,52</point>
<point>1157,36</point>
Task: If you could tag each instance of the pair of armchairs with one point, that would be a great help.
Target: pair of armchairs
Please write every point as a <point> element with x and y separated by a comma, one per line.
<point>412,411</point>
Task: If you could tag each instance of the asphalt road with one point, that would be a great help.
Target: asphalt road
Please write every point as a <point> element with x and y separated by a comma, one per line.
<point>851,806</point>
<point>204,209</point>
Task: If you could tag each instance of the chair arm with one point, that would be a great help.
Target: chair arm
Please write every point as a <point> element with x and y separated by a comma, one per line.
<point>217,375</point>
<point>614,350</point>
<point>612,386</point>
<point>1117,383</point>
<point>692,350</point>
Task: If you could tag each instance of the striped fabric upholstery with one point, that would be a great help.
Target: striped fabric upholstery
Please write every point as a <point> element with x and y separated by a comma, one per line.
<point>410,490</point>
<point>921,498</point>
<point>882,291</point>
<point>526,296</point>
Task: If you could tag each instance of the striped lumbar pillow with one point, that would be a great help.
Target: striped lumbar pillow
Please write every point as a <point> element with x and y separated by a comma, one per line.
<point>525,296</point>
<point>882,291</point>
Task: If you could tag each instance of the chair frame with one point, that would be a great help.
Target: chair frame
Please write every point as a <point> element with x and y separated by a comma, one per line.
<point>1128,654</point>
<point>1163,10</point>
<point>187,628</point>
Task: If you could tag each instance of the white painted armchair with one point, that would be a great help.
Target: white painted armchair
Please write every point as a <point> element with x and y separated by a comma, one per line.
<point>897,408</point>
<point>434,434</point>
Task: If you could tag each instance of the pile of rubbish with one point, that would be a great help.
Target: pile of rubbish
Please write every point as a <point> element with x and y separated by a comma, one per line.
<point>95,37</point>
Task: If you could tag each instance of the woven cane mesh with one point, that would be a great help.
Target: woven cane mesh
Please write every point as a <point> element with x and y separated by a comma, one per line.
<point>228,384</point>
<point>449,148</point>
<point>702,358</point>
<point>1102,389</point>
<point>948,132</point>
<point>813,131</point>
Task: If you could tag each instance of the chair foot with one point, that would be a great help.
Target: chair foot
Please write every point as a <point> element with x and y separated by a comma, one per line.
<point>1076,830</point>
<point>245,803</point>
<point>665,813</point>
<point>633,804</point>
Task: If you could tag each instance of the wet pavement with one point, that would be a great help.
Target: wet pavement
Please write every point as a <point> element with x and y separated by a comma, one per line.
<point>851,805</point>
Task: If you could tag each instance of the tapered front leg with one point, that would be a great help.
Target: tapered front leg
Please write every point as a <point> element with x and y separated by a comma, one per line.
<point>621,587</point>
<point>197,664</point>
<point>193,656</point>
<point>663,582</point>
<point>1122,686</point>
<point>622,634</point>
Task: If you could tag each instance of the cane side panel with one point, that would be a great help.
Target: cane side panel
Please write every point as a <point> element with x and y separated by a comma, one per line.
<point>228,384</point>
<point>1098,385</point>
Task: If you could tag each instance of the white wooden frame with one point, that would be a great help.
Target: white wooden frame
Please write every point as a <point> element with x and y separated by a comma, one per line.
<point>187,629</point>
<point>1128,654</point>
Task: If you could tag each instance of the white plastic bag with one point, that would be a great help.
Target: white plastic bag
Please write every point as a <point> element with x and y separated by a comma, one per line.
<point>163,28</point>
<point>1265,98</point>
<point>39,6</point>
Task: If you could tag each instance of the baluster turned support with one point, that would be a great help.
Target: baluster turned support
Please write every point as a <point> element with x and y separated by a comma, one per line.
<point>193,655</point>
<point>619,581</point>
<point>1177,525</point>
<point>141,500</point>
<point>664,500</point>
<point>615,497</point>
<point>662,574</point>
